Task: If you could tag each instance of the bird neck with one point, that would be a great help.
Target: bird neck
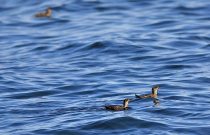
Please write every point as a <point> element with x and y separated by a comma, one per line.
<point>125,104</point>
<point>154,92</point>
<point>48,12</point>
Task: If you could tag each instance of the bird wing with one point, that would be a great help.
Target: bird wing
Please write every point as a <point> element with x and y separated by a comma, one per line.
<point>114,107</point>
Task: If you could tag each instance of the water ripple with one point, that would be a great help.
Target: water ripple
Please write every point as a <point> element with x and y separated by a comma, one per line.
<point>128,122</point>
<point>58,73</point>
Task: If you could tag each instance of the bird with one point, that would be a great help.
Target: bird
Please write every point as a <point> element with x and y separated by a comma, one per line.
<point>119,107</point>
<point>46,13</point>
<point>152,95</point>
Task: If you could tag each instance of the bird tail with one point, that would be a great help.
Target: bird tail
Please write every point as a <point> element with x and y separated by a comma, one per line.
<point>136,95</point>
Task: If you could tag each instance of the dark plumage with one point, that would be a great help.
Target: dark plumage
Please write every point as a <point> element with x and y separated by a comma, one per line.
<point>46,13</point>
<point>118,107</point>
<point>152,95</point>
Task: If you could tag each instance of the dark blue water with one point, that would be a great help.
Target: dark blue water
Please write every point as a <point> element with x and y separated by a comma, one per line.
<point>57,73</point>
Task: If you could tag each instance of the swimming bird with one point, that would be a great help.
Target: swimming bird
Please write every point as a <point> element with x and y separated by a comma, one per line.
<point>152,95</point>
<point>46,13</point>
<point>119,107</point>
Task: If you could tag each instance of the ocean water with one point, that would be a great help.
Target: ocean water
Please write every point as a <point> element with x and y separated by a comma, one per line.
<point>57,73</point>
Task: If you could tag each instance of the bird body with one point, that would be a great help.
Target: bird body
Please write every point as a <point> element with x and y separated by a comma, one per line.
<point>118,107</point>
<point>152,95</point>
<point>46,13</point>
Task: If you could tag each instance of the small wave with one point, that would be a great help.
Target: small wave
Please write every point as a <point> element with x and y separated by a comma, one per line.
<point>97,45</point>
<point>83,47</point>
<point>175,97</point>
<point>122,123</point>
<point>138,58</point>
<point>168,112</point>
<point>188,8</point>
<point>178,67</point>
<point>40,48</point>
<point>184,44</point>
<point>33,94</point>
<point>111,7</point>
<point>93,46</point>
<point>197,130</point>
<point>66,47</point>
<point>162,24</point>
<point>206,46</point>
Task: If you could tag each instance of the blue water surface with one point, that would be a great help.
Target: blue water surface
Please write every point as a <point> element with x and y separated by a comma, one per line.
<point>57,73</point>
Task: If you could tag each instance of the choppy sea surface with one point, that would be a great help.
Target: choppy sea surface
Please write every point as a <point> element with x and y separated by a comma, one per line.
<point>57,73</point>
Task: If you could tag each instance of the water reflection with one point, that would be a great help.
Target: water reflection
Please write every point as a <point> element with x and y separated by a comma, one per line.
<point>156,102</point>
